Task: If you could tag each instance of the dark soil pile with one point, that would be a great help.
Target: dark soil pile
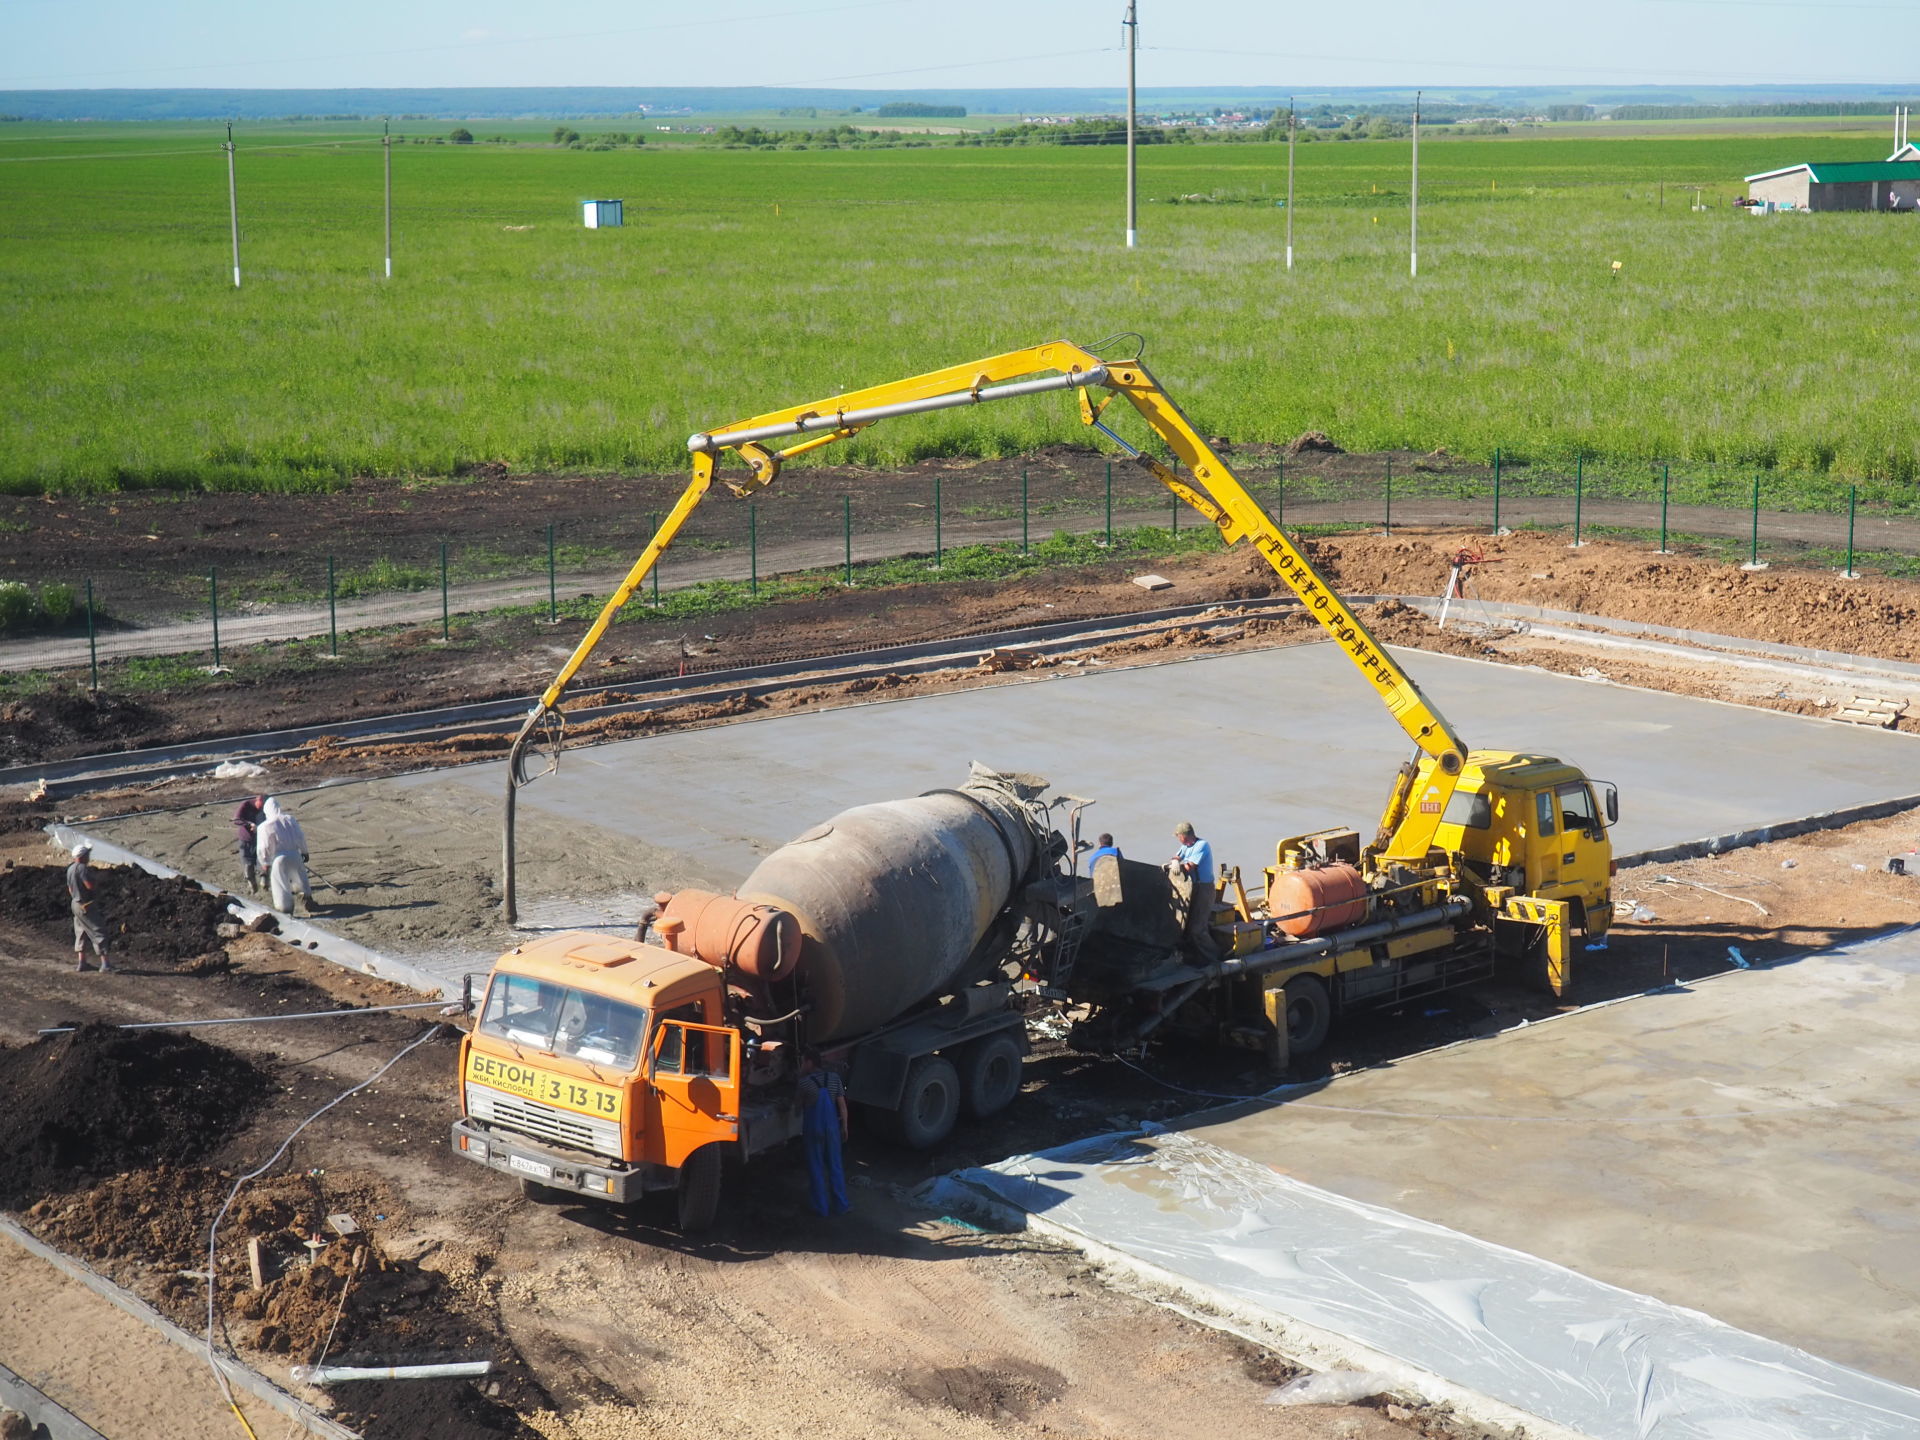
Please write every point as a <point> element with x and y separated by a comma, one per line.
<point>100,1100</point>
<point>70,718</point>
<point>147,919</point>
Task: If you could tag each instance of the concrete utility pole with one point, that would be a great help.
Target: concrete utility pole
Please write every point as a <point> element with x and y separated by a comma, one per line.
<point>386,144</point>
<point>1132,26</point>
<point>233,207</point>
<point>1413,210</point>
<point>1291,125</point>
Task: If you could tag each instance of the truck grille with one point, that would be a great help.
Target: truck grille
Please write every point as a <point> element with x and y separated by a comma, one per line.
<point>531,1117</point>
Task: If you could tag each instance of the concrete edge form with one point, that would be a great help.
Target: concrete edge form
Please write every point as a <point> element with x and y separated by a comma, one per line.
<point>347,954</point>
<point>1294,1340</point>
<point>61,1423</point>
<point>254,1383</point>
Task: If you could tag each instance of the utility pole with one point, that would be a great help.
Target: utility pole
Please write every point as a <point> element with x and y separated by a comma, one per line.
<point>1413,210</point>
<point>1132,26</point>
<point>233,207</point>
<point>1291,125</point>
<point>386,144</point>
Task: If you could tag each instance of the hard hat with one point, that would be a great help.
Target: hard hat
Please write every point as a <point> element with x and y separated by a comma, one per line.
<point>83,848</point>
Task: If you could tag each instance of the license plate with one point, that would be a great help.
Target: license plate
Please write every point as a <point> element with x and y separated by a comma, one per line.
<point>532,1167</point>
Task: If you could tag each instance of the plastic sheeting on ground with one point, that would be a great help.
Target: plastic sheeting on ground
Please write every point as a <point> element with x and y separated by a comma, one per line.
<point>1536,1336</point>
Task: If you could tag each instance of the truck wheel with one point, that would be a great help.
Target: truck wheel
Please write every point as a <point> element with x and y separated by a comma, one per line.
<point>929,1105</point>
<point>1309,1014</point>
<point>989,1075</point>
<point>699,1197</point>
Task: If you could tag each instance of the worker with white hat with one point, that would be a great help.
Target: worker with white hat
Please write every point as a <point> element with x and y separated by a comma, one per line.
<point>82,893</point>
<point>283,855</point>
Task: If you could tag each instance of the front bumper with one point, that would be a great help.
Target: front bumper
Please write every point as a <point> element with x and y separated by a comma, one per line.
<point>568,1171</point>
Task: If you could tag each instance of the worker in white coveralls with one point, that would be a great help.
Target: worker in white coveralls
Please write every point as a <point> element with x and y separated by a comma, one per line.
<point>283,855</point>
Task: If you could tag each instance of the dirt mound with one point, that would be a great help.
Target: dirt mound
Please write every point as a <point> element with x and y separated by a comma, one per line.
<point>1313,442</point>
<point>147,919</point>
<point>100,1100</point>
<point>65,716</point>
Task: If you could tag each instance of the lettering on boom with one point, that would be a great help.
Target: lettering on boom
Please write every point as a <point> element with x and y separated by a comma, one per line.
<point>1373,664</point>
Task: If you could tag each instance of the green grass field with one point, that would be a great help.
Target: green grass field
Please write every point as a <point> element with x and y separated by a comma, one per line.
<point>747,280</point>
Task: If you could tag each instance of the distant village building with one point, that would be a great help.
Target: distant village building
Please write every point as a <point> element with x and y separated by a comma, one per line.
<point>1839,185</point>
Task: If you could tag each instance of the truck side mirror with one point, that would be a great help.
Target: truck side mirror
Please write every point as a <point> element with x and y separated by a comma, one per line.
<point>1613,804</point>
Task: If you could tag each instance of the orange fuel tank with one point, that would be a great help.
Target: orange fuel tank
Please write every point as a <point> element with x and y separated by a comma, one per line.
<point>760,940</point>
<point>1313,901</point>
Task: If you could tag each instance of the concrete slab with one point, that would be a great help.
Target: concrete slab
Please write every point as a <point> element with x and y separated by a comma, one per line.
<point>1249,747</point>
<point>1745,1147</point>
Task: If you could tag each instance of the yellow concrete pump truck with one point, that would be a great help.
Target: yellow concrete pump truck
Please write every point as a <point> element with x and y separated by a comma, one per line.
<point>903,939</point>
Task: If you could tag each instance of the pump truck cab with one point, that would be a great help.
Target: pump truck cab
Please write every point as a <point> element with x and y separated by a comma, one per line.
<point>892,937</point>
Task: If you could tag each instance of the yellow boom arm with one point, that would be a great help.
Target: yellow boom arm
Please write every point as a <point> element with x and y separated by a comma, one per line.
<point>1406,828</point>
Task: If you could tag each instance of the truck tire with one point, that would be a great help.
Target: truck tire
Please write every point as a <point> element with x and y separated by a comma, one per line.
<point>699,1190</point>
<point>929,1105</point>
<point>1309,1014</point>
<point>989,1075</point>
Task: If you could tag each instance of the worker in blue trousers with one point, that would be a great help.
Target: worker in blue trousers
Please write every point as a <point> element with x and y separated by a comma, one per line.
<point>823,1109</point>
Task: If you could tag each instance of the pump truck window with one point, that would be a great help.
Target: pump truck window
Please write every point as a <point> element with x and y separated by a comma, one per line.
<point>1577,810</point>
<point>1471,809</point>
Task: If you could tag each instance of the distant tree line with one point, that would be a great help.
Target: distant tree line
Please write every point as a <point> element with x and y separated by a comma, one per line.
<point>1741,112</point>
<point>570,139</point>
<point>916,110</point>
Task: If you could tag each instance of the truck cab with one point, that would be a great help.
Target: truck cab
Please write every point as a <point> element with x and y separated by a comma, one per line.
<point>599,1066</point>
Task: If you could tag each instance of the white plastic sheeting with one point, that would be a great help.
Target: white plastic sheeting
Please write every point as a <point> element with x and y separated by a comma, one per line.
<point>1535,1336</point>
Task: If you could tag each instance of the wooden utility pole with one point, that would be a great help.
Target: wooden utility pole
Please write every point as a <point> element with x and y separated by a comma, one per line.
<point>386,144</point>
<point>1132,26</point>
<point>233,208</point>
<point>1413,209</point>
<point>1291,125</point>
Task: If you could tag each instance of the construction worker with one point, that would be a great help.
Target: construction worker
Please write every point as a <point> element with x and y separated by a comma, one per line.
<point>82,894</point>
<point>1105,847</point>
<point>246,825</point>
<point>823,1110</point>
<point>1193,862</point>
<point>283,855</point>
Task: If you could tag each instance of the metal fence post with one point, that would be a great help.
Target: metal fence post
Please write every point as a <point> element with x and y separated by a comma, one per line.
<point>1753,548</point>
<point>553,583</point>
<point>333,614</point>
<point>1176,514</point>
<point>446,614</point>
<point>1389,529</point>
<point>939,547</point>
<point>1496,489</point>
<point>1024,546</point>
<point>1853,500</point>
<point>1279,492</point>
<point>93,652</point>
<point>753,547</point>
<point>213,601</point>
<point>846,529</point>
<point>1579,484</point>
<point>1666,484</point>
<point>1109,504</point>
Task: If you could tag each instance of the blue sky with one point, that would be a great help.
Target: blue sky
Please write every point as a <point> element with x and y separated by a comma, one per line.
<point>921,44</point>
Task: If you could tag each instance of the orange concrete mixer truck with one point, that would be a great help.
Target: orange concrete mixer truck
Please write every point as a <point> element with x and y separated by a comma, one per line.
<point>889,938</point>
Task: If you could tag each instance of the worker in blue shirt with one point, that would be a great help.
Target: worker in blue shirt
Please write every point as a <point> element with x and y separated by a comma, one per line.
<point>1105,847</point>
<point>1194,861</point>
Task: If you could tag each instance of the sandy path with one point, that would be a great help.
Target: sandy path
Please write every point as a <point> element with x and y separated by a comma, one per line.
<point>103,1365</point>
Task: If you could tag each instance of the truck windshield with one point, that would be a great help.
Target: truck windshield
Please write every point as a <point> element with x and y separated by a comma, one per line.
<point>563,1020</point>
